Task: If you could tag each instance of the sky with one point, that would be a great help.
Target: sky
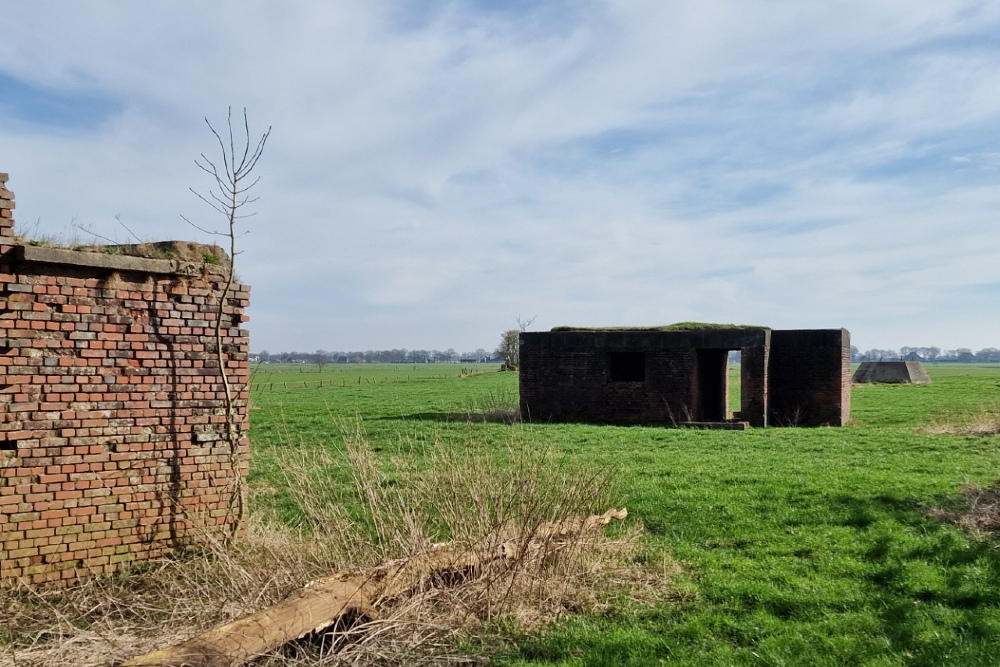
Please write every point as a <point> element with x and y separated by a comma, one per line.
<point>437,169</point>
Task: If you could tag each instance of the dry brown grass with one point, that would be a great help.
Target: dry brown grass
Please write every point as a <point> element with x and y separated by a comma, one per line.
<point>979,512</point>
<point>495,405</point>
<point>109,618</point>
<point>466,495</point>
<point>985,422</point>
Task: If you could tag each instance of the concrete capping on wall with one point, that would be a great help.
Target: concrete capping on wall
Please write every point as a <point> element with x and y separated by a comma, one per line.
<point>649,338</point>
<point>28,253</point>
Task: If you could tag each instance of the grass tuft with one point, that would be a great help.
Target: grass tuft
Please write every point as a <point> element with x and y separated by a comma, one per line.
<point>985,422</point>
<point>495,404</point>
<point>978,511</point>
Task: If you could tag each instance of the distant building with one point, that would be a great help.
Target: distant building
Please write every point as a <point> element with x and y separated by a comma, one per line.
<point>891,372</point>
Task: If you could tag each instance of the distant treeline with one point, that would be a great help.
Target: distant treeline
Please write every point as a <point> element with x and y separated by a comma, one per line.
<point>404,356</point>
<point>962,354</point>
<point>397,356</point>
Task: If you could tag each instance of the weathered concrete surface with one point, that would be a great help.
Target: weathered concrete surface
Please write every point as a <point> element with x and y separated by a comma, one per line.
<point>114,262</point>
<point>891,372</point>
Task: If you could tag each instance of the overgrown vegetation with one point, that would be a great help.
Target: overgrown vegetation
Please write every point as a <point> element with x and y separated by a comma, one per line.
<point>984,421</point>
<point>799,546</point>
<point>796,546</point>
<point>679,326</point>
<point>472,497</point>
<point>135,247</point>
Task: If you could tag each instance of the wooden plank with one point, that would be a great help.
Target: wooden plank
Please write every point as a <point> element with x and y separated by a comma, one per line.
<point>322,602</point>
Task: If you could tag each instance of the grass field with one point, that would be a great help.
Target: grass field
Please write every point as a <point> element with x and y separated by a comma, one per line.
<point>797,546</point>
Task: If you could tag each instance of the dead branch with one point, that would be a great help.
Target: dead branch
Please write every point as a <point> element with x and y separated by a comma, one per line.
<point>325,601</point>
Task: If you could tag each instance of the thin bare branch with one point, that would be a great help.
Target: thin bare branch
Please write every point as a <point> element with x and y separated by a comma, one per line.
<point>201,197</point>
<point>88,230</point>
<point>246,144</point>
<point>202,229</point>
<point>118,217</point>
<point>222,146</point>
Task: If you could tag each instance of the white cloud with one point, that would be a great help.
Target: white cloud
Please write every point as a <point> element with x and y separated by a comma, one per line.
<point>430,177</point>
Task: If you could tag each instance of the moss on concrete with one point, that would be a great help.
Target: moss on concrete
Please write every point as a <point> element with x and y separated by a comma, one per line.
<point>679,326</point>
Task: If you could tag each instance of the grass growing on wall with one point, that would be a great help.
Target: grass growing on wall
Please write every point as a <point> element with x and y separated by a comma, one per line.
<point>799,546</point>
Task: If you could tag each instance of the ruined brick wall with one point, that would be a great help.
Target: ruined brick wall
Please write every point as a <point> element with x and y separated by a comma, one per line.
<point>809,377</point>
<point>111,407</point>
<point>6,209</point>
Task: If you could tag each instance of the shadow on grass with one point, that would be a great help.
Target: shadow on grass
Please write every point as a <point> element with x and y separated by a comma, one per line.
<point>898,587</point>
<point>939,598</point>
<point>936,591</point>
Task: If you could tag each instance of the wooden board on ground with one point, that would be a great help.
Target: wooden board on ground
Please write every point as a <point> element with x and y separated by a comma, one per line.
<point>321,603</point>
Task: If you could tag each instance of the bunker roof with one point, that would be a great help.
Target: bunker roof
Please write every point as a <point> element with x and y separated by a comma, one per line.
<point>679,326</point>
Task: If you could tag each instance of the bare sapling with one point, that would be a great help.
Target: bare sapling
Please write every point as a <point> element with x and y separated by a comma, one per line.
<point>230,195</point>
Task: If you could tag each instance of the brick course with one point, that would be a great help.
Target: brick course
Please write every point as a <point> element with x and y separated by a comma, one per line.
<point>112,407</point>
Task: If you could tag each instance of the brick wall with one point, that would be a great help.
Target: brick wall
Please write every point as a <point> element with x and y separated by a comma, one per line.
<point>111,406</point>
<point>810,377</point>
<point>567,375</point>
<point>754,378</point>
<point>574,385</point>
<point>6,208</point>
<point>787,377</point>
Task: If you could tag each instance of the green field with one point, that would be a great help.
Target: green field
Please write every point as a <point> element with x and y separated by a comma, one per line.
<point>798,546</point>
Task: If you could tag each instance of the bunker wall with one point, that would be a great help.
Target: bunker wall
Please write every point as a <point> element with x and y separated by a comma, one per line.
<point>809,377</point>
<point>633,376</point>
<point>792,377</point>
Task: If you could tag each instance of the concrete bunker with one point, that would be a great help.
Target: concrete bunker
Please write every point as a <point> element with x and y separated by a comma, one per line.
<point>891,372</point>
<point>679,374</point>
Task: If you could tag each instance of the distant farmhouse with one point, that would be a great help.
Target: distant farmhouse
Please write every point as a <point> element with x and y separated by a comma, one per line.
<point>679,374</point>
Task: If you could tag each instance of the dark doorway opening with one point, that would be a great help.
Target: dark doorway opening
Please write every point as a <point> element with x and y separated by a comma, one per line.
<point>711,400</point>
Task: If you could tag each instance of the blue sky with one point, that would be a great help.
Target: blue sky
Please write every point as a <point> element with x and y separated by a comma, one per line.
<point>438,169</point>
